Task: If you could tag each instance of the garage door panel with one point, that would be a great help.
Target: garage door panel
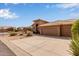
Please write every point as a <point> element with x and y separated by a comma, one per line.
<point>66,30</point>
<point>53,30</point>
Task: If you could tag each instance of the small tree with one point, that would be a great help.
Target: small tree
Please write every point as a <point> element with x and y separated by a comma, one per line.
<point>75,38</point>
<point>10,29</point>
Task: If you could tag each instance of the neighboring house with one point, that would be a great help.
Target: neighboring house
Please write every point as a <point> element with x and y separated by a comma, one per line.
<point>6,28</point>
<point>36,23</point>
<point>2,29</point>
<point>56,28</point>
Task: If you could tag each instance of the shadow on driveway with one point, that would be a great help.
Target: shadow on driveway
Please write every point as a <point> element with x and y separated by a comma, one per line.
<point>57,37</point>
<point>5,51</point>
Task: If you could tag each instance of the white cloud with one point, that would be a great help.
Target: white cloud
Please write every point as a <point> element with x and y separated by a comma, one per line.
<point>15,3</point>
<point>7,14</point>
<point>67,5</point>
<point>64,5</point>
<point>74,15</point>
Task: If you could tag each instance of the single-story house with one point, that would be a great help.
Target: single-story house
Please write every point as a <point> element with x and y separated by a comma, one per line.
<point>6,28</point>
<point>56,28</point>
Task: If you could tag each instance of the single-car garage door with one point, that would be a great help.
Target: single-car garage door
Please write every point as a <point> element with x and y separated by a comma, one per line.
<point>65,30</point>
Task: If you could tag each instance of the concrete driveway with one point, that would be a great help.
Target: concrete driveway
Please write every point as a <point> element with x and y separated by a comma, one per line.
<point>44,46</point>
<point>5,51</point>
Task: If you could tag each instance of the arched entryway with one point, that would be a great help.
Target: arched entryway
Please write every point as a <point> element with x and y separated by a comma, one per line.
<point>37,29</point>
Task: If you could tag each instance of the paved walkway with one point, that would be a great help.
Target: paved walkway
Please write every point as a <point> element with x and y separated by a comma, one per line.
<point>5,51</point>
<point>40,46</point>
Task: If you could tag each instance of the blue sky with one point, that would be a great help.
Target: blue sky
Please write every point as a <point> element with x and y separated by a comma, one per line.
<point>17,14</point>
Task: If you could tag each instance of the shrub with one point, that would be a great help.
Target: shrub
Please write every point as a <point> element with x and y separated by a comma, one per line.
<point>75,39</point>
<point>16,30</point>
<point>13,34</point>
<point>10,29</point>
<point>25,29</point>
<point>29,33</point>
<point>20,34</point>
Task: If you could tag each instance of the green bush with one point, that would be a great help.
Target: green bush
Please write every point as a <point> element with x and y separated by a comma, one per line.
<point>13,34</point>
<point>75,38</point>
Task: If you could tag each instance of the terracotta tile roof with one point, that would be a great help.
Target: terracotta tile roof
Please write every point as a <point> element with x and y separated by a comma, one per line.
<point>59,22</point>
